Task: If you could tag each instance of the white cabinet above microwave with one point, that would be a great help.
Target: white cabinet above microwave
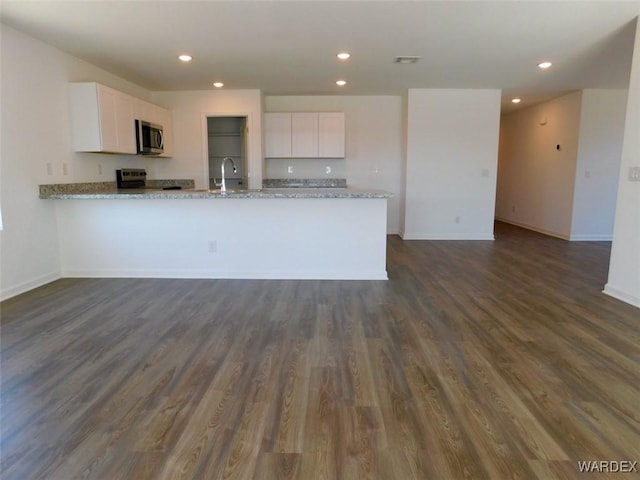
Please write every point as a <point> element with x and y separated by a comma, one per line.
<point>103,119</point>
<point>305,135</point>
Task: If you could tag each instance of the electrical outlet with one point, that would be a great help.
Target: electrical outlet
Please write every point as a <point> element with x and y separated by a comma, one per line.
<point>49,169</point>
<point>485,172</point>
<point>290,169</point>
<point>457,218</point>
<point>65,169</point>
<point>634,174</point>
<point>212,246</point>
<point>327,169</point>
<point>99,169</point>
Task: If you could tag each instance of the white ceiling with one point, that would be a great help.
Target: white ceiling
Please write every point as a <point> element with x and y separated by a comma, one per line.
<point>290,47</point>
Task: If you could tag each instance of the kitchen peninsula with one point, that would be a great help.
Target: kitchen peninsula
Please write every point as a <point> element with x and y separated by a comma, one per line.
<point>316,233</point>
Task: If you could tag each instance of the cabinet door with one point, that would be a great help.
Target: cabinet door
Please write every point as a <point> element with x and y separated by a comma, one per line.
<point>116,123</point>
<point>277,128</point>
<point>125,125</point>
<point>304,135</point>
<point>331,137</point>
<point>108,123</point>
<point>102,119</point>
<point>145,111</point>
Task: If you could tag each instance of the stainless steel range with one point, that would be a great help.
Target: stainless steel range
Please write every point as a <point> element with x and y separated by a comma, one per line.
<point>131,178</point>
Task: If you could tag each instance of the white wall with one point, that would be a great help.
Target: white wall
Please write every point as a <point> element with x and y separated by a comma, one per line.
<point>451,163</point>
<point>189,109</point>
<point>568,193</point>
<point>624,266</point>
<point>535,180</point>
<point>373,142</point>
<point>305,167</point>
<point>403,169</point>
<point>598,167</point>
<point>35,132</point>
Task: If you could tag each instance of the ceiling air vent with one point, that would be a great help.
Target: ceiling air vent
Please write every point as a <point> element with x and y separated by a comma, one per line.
<point>407,59</point>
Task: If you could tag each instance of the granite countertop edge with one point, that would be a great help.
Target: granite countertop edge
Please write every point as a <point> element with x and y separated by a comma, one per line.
<point>155,190</point>
<point>216,195</point>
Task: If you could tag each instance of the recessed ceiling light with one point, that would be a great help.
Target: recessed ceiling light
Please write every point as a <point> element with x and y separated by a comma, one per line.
<point>185,58</point>
<point>544,65</point>
<point>218,84</point>
<point>341,83</point>
<point>343,55</point>
<point>515,100</point>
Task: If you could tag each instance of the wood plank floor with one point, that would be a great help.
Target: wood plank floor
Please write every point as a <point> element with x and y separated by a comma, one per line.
<point>479,360</point>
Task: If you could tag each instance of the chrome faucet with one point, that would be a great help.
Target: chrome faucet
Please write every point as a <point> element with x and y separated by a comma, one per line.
<point>223,187</point>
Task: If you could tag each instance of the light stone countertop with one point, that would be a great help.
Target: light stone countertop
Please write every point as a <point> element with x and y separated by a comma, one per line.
<point>266,193</point>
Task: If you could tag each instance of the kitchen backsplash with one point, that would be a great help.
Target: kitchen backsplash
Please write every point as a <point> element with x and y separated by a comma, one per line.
<point>305,168</point>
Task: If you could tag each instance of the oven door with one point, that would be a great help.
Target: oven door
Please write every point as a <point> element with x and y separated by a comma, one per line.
<point>149,138</point>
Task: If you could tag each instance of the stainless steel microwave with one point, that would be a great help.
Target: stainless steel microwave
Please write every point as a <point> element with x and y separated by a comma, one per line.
<point>149,138</point>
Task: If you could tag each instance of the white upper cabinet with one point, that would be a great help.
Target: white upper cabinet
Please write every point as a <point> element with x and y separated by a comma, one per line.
<point>277,135</point>
<point>305,135</point>
<point>102,119</point>
<point>144,111</point>
<point>124,135</point>
<point>331,135</point>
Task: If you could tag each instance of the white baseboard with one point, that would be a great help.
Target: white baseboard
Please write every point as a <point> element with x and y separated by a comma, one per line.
<point>23,287</point>
<point>571,237</point>
<point>419,236</point>
<point>591,238</point>
<point>534,228</point>
<point>212,274</point>
<point>622,295</point>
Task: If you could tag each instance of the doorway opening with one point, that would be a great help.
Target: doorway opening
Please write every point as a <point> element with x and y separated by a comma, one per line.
<point>227,138</point>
